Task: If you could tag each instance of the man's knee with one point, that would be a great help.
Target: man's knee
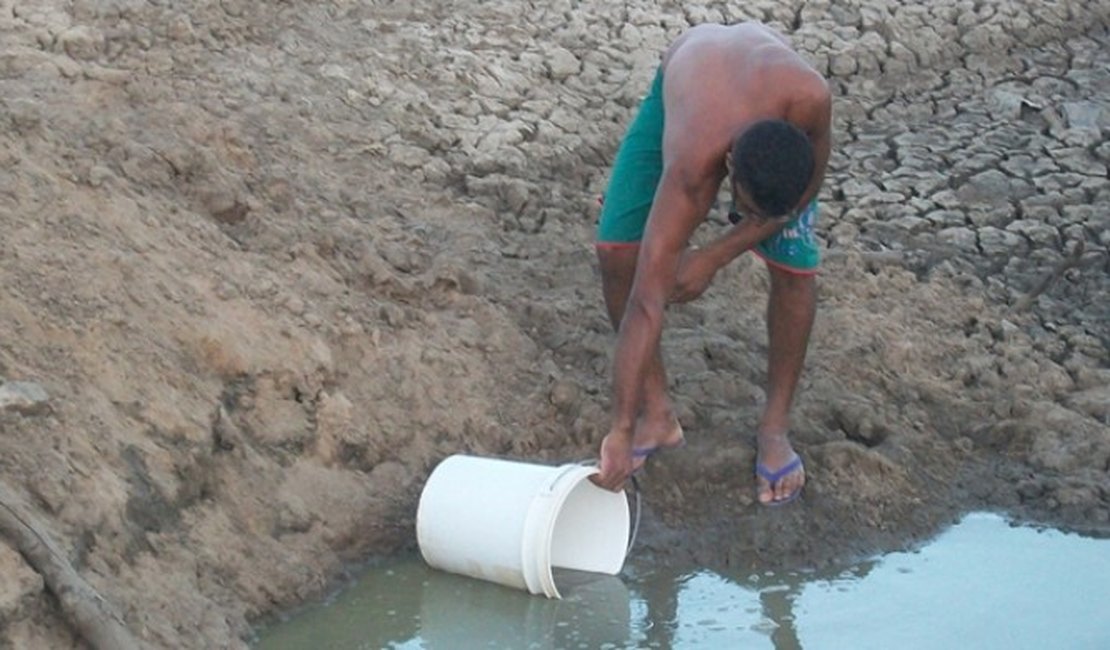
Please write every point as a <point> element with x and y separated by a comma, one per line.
<point>791,282</point>
<point>618,259</point>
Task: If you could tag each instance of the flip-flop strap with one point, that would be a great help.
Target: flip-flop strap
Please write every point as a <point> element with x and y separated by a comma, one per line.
<point>773,477</point>
<point>644,452</point>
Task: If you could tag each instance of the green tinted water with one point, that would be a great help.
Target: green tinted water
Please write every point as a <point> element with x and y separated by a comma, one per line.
<point>982,584</point>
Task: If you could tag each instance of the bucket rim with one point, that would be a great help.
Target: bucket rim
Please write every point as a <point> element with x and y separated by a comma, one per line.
<point>538,572</point>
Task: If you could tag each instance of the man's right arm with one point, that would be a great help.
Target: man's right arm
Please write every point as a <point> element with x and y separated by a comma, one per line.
<point>692,173</point>
<point>681,200</point>
<point>641,328</point>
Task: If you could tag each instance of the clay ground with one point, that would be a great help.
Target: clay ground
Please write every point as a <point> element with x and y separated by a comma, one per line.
<point>263,265</point>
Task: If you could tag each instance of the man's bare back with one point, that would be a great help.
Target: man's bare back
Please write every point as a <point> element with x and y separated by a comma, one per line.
<point>742,36</point>
<point>721,78</point>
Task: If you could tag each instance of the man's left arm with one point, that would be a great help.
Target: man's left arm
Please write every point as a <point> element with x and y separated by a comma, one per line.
<point>812,112</point>
<point>698,265</point>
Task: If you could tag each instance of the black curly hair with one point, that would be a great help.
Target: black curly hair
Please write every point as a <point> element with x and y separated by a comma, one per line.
<point>772,161</point>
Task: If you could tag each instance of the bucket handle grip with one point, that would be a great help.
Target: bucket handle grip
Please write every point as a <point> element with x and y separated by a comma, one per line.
<point>549,489</point>
<point>637,495</point>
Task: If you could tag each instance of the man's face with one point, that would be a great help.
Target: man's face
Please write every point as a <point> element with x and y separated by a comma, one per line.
<point>744,206</point>
<point>742,203</point>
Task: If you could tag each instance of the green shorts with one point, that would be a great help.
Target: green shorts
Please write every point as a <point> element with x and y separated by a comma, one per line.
<point>635,176</point>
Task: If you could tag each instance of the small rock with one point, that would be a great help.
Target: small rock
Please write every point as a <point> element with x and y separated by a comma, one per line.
<point>562,64</point>
<point>565,120</point>
<point>960,237</point>
<point>1030,489</point>
<point>24,397</point>
<point>20,586</point>
<point>565,393</point>
<point>295,305</point>
<point>25,115</point>
<point>82,42</point>
<point>392,476</point>
<point>1083,115</point>
<point>409,156</point>
<point>393,315</point>
<point>1036,231</point>
<point>909,223</point>
<point>947,218</point>
<point>334,71</point>
<point>992,188</point>
<point>180,29</point>
<point>225,206</point>
<point>998,242</point>
<point>292,516</point>
<point>99,174</point>
<point>469,283</point>
<point>1006,105</point>
<point>1094,402</point>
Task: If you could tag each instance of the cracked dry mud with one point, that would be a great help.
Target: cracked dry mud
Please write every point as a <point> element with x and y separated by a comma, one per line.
<point>264,264</point>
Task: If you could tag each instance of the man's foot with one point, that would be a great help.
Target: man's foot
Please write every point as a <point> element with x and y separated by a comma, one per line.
<point>651,439</point>
<point>780,474</point>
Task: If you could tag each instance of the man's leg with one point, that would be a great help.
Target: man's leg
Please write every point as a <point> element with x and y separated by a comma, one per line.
<point>656,424</point>
<point>790,312</point>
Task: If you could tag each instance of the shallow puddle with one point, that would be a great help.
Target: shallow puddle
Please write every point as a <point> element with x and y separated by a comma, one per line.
<point>984,583</point>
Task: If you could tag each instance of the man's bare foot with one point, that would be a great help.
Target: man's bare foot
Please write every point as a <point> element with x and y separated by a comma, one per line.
<point>655,435</point>
<point>779,472</point>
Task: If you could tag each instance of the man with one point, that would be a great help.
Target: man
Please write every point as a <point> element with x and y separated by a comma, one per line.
<point>727,100</point>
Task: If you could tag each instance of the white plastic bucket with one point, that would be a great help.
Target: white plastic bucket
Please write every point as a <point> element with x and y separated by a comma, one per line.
<point>512,523</point>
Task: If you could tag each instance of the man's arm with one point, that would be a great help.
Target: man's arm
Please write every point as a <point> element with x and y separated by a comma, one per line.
<point>681,200</point>
<point>698,266</point>
<point>675,213</point>
<point>811,111</point>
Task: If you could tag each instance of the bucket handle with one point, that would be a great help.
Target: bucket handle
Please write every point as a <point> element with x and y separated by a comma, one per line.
<point>635,520</point>
<point>549,489</point>
<point>636,493</point>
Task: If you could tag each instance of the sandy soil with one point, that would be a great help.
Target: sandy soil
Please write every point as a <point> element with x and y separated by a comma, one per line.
<point>264,264</point>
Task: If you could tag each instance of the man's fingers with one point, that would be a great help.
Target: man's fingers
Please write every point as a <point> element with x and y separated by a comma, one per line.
<point>612,482</point>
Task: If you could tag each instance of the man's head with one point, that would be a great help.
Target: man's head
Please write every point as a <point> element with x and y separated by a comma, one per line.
<point>771,165</point>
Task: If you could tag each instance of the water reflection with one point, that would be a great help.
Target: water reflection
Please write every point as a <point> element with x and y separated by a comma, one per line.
<point>708,610</point>
<point>982,584</point>
<point>594,613</point>
<point>407,605</point>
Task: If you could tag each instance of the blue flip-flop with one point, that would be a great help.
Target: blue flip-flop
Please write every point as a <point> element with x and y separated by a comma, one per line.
<point>773,477</point>
<point>647,452</point>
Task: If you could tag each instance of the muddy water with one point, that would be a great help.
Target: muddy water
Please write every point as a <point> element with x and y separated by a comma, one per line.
<point>984,583</point>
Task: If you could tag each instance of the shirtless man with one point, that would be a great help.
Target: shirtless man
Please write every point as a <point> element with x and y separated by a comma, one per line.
<point>732,101</point>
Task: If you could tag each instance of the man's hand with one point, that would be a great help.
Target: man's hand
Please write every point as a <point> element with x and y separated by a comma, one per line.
<point>695,271</point>
<point>616,461</point>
